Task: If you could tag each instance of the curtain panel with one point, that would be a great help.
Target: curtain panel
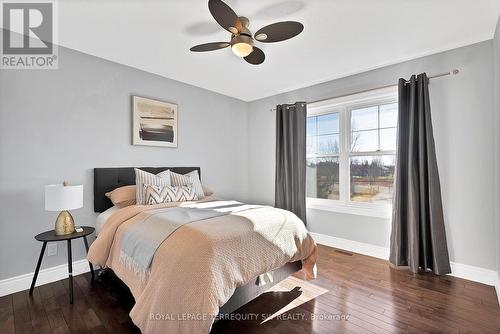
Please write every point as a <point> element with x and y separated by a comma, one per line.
<point>290,180</point>
<point>418,238</point>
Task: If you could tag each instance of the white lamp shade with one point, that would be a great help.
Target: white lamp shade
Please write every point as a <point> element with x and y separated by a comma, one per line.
<point>59,197</point>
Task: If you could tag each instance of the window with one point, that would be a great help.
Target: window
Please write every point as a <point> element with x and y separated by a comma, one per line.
<point>323,147</point>
<point>351,147</point>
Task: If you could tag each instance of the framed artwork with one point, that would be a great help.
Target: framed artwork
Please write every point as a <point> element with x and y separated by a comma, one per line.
<point>154,122</point>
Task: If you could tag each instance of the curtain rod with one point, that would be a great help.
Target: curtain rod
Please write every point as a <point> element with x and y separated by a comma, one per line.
<point>452,72</point>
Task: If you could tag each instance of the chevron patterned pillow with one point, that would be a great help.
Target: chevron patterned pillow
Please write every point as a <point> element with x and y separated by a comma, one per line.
<point>163,194</point>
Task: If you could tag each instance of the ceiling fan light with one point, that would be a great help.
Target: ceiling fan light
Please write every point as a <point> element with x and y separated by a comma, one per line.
<point>242,45</point>
<point>242,49</point>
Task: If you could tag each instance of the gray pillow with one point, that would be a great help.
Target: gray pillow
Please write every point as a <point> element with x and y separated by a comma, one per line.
<point>191,178</point>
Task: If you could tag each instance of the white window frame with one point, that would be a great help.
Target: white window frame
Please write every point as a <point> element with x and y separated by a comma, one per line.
<point>344,106</point>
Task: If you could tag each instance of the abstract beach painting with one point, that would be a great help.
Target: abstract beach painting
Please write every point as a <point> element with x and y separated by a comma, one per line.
<point>154,122</point>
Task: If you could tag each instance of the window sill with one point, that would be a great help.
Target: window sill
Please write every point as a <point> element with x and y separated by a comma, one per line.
<point>360,209</point>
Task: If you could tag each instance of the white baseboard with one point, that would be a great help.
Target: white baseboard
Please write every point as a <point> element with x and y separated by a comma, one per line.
<point>48,275</point>
<point>352,246</point>
<point>472,273</point>
<point>497,287</point>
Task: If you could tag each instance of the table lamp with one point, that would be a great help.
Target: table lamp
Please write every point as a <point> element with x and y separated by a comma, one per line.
<point>63,197</point>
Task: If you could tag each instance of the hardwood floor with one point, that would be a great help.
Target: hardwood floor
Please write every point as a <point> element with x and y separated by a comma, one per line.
<point>352,294</point>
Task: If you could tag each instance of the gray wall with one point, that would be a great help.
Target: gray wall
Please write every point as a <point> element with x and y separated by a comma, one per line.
<point>58,125</point>
<point>463,119</point>
<point>496,53</point>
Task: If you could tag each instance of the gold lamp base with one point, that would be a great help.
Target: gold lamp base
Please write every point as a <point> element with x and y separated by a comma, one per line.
<point>64,223</point>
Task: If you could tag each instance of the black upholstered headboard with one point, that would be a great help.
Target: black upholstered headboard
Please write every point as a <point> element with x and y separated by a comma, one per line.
<point>107,179</point>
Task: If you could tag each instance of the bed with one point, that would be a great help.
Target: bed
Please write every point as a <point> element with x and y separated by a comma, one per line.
<point>245,288</point>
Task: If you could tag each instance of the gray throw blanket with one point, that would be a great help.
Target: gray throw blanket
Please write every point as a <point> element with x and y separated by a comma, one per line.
<point>141,240</point>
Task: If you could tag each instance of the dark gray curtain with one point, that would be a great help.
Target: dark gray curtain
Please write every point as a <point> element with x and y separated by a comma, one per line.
<point>418,238</point>
<point>290,181</point>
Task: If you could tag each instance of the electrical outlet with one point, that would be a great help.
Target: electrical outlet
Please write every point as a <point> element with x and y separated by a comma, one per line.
<point>51,249</point>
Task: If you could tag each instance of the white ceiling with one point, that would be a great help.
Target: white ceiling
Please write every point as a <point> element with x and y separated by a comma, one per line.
<point>341,37</point>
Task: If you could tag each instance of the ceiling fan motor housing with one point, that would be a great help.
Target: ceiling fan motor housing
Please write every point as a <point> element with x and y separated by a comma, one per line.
<point>245,22</point>
<point>244,36</point>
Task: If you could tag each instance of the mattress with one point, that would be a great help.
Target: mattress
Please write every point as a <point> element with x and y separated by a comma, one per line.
<point>102,218</point>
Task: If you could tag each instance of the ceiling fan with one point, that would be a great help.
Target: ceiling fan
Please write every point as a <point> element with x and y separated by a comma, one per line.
<point>242,42</point>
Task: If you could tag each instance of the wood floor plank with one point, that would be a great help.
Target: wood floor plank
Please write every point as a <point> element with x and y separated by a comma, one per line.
<point>39,319</point>
<point>7,325</point>
<point>53,311</point>
<point>70,312</point>
<point>22,318</point>
<point>112,312</point>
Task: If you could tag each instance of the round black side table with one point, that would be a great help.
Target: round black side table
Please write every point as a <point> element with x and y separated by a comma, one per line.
<point>50,236</point>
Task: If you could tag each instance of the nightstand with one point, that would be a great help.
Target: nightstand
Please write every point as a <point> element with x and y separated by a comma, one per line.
<point>50,236</point>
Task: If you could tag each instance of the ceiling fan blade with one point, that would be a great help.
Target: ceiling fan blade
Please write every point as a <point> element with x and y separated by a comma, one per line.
<point>256,57</point>
<point>225,16</point>
<point>209,46</point>
<point>279,31</point>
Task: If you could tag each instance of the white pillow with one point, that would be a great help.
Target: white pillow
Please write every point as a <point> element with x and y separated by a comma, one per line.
<point>191,178</point>
<point>142,177</point>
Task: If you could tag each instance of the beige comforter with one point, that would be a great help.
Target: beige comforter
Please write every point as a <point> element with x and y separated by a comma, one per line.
<point>196,270</point>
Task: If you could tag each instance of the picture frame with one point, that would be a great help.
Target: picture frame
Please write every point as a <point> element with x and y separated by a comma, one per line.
<point>154,122</point>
